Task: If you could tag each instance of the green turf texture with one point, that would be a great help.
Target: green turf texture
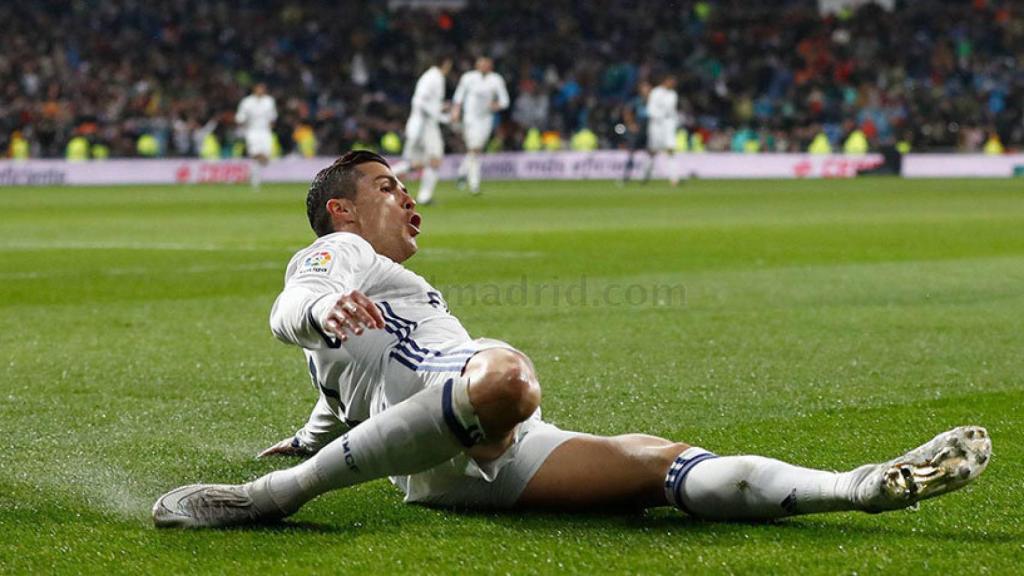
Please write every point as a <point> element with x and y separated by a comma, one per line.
<point>828,323</point>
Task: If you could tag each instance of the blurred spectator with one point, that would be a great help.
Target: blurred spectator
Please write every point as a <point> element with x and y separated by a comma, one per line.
<point>933,74</point>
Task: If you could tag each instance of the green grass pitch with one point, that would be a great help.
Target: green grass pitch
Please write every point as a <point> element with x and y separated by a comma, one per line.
<point>828,323</point>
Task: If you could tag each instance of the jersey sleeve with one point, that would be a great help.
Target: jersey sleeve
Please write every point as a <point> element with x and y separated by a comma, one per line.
<point>654,106</point>
<point>241,116</point>
<point>273,111</point>
<point>321,427</point>
<point>316,278</point>
<point>428,97</point>
<point>502,93</point>
<point>460,90</point>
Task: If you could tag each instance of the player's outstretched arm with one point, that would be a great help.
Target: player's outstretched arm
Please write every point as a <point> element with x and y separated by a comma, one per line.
<point>320,429</point>
<point>349,315</point>
<point>290,446</point>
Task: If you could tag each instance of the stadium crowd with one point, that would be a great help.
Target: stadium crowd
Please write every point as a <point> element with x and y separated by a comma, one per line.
<point>100,77</point>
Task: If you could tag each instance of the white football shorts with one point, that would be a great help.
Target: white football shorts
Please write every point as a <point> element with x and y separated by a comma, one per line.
<point>258,143</point>
<point>461,481</point>
<point>661,136</point>
<point>423,141</point>
<point>477,132</point>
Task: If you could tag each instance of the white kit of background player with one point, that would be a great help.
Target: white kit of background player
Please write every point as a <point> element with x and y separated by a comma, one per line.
<point>256,115</point>
<point>407,393</point>
<point>424,144</point>
<point>662,122</point>
<point>481,93</point>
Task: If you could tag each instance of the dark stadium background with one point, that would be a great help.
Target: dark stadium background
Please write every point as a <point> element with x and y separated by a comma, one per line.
<point>929,75</point>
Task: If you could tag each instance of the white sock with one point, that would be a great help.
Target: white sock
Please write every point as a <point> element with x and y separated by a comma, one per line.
<point>673,170</point>
<point>427,184</point>
<point>753,487</point>
<point>400,168</point>
<point>256,174</point>
<point>425,430</point>
<point>652,160</point>
<point>473,172</point>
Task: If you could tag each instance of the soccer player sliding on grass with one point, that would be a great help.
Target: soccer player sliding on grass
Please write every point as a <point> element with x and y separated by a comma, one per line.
<point>406,393</point>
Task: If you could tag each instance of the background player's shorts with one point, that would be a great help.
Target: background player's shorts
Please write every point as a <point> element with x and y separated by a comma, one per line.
<point>461,481</point>
<point>423,141</point>
<point>259,143</point>
<point>477,132</point>
<point>661,136</point>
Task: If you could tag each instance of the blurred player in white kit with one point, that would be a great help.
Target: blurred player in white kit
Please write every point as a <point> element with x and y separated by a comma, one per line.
<point>480,94</point>
<point>424,145</point>
<point>256,114</point>
<point>662,120</point>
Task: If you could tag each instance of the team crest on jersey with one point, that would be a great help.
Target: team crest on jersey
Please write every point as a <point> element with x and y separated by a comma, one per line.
<point>317,263</point>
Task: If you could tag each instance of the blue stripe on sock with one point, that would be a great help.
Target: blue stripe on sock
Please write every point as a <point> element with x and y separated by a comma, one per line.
<point>677,475</point>
<point>461,434</point>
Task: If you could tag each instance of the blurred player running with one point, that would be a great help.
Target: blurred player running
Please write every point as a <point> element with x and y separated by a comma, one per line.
<point>406,393</point>
<point>424,145</point>
<point>662,120</point>
<point>481,93</point>
<point>256,114</point>
<point>635,120</point>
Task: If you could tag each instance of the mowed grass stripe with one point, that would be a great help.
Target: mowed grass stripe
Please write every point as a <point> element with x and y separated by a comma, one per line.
<point>827,322</point>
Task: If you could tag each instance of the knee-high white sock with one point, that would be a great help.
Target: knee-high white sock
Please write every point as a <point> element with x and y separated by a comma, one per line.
<point>753,487</point>
<point>673,170</point>
<point>473,172</point>
<point>256,174</point>
<point>427,184</point>
<point>426,429</point>
<point>652,160</point>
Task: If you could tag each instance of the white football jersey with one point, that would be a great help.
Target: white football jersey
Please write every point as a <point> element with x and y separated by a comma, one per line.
<point>662,104</point>
<point>476,92</point>
<point>256,113</point>
<point>428,99</point>
<point>418,324</point>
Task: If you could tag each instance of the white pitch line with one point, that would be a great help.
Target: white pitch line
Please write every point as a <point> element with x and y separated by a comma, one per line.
<point>140,271</point>
<point>458,254</point>
<point>83,245</point>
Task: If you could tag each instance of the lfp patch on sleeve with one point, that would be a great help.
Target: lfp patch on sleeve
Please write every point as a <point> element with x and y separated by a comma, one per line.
<point>317,263</point>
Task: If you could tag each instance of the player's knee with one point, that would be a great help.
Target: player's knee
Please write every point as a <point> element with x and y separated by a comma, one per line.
<point>504,380</point>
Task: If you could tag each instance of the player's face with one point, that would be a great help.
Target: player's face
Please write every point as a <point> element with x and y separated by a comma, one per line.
<point>385,213</point>
<point>484,65</point>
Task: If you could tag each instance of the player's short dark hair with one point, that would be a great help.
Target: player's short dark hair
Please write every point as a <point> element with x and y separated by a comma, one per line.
<point>336,181</point>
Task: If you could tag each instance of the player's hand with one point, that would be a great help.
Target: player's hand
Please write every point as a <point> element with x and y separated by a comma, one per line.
<point>288,447</point>
<point>351,315</point>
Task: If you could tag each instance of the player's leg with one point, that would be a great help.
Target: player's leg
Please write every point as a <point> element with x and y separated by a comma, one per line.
<point>428,182</point>
<point>257,146</point>
<point>588,471</point>
<point>434,151</point>
<point>673,167</point>
<point>652,159</point>
<point>480,410</point>
<point>477,134</point>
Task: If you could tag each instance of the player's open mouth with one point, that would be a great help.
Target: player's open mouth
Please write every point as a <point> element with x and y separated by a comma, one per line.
<point>414,223</point>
